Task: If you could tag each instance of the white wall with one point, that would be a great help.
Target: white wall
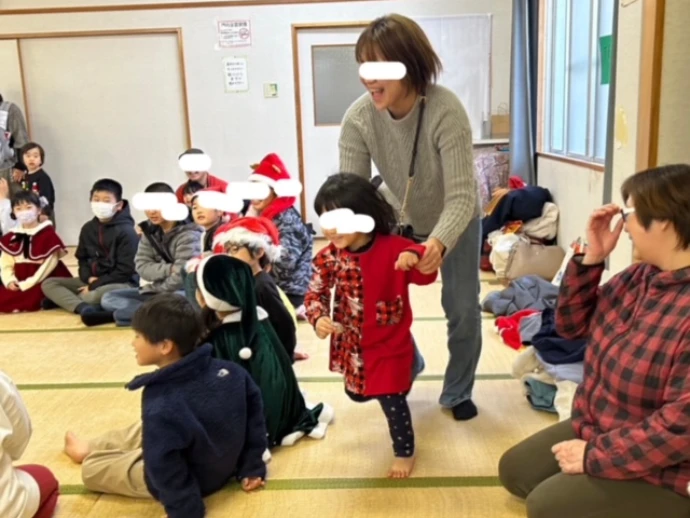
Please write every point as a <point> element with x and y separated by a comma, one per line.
<point>576,190</point>
<point>239,129</point>
<point>674,108</point>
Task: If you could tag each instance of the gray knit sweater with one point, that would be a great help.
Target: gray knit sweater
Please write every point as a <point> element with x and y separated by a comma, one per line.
<point>444,198</point>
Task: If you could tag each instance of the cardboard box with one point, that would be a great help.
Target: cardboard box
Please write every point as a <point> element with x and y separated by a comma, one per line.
<point>500,126</point>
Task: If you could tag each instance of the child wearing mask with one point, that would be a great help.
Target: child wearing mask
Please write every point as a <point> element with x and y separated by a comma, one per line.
<point>106,250</point>
<point>30,253</point>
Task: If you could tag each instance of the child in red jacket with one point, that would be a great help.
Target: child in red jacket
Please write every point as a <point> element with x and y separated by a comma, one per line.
<point>370,271</point>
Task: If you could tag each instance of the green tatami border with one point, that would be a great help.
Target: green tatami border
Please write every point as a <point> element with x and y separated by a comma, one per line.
<point>485,316</point>
<point>345,483</point>
<point>303,379</point>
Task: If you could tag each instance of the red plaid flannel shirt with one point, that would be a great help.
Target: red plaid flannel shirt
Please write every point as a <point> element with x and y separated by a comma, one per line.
<point>633,407</point>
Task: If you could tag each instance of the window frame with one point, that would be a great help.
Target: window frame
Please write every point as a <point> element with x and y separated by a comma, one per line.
<point>547,84</point>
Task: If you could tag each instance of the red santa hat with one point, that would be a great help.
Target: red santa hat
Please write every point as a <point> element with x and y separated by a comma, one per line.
<point>250,232</point>
<point>272,172</point>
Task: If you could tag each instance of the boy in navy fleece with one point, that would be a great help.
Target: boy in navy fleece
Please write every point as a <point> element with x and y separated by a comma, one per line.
<point>202,420</point>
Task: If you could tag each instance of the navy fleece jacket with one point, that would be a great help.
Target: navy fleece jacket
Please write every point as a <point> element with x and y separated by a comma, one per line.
<point>203,425</point>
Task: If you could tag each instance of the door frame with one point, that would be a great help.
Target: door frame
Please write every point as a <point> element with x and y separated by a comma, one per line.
<point>296,29</point>
<point>177,31</point>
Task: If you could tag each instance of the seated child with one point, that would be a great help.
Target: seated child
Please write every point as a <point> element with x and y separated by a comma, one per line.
<point>255,241</point>
<point>202,420</point>
<point>371,341</point>
<point>31,253</point>
<point>169,240</point>
<point>195,163</point>
<point>107,245</point>
<point>29,491</point>
<point>208,213</point>
<point>190,190</point>
<point>292,271</point>
<point>244,336</point>
<point>35,179</point>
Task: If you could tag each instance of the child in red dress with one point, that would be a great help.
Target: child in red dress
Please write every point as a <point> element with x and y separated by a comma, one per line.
<point>30,253</point>
<point>371,341</point>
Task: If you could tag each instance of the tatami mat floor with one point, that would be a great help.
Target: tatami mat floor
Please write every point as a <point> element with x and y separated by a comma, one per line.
<point>73,378</point>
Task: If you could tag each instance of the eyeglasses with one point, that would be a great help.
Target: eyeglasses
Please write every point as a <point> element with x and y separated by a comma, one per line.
<point>626,212</point>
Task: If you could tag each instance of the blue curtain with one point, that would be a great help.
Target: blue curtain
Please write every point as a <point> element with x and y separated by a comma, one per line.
<point>523,89</point>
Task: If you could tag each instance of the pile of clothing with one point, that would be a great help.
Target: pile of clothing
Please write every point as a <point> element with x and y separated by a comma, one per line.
<point>517,212</point>
<point>549,366</point>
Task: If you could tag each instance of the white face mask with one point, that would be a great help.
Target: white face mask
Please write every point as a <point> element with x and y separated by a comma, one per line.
<point>103,210</point>
<point>26,217</point>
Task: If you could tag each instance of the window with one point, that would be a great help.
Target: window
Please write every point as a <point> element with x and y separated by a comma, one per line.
<point>576,107</point>
<point>336,82</point>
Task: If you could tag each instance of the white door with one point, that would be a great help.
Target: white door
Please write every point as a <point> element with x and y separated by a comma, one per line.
<point>329,83</point>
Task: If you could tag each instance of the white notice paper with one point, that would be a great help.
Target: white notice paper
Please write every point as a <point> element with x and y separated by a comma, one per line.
<point>235,73</point>
<point>234,33</point>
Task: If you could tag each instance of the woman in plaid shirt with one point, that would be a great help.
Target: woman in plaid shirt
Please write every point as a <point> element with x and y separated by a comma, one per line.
<point>626,450</point>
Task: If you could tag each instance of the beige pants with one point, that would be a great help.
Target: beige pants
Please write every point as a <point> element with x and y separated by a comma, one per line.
<point>116,465</point>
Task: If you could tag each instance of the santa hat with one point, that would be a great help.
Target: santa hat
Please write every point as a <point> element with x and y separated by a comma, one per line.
<point>194,160</point>
<point>216,198</point>
<point>227,285</point>
<point>250,232</point>
<point>272,171</point>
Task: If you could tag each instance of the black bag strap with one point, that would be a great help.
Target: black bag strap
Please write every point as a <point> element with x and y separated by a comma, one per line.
<point>158,247</point>
<point>403,205</point>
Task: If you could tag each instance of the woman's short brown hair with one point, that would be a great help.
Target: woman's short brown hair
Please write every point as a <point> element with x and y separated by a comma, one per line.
<point>397,38</point>
<point>662,194</point>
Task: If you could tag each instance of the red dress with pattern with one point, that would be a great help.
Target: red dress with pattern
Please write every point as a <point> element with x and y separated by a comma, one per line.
<point>30,251</point>
<point>375,350</point>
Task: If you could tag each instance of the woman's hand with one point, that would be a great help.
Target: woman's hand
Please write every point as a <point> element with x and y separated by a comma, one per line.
<point>601,240</point>
<point>406,261</point>
<point>571,456</point>
<point>433,256</point>
<point>17,175</point>
<point>251,484</point>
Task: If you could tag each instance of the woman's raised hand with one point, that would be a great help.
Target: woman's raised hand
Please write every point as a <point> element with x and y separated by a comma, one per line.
<point>601,239</point>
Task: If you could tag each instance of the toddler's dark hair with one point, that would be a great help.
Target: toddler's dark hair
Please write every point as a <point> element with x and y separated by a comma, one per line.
<point>108,185</point>
<point>351,191</point>
<point>33,145</point>
<point>169,317</point>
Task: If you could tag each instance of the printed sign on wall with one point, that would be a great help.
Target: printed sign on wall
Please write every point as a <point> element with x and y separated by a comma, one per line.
<point>235,74</point>
<point>234,33</point>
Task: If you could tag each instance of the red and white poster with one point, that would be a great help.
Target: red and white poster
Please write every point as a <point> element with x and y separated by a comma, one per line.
<point>234,33</point>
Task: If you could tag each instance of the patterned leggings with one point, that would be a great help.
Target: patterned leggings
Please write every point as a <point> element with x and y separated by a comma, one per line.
<point>399,420</point>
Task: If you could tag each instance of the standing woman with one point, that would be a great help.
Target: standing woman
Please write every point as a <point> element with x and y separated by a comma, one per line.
<point>419,136</point>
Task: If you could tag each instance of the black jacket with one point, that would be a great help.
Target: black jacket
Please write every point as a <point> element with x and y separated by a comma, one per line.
<point>107,250</point>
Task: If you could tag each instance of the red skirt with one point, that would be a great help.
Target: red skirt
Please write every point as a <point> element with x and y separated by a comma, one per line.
<point>30,300</point>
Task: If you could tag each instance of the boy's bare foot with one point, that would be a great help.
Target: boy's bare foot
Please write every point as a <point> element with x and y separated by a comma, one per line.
<point>401,467</point>
<point>76,448</point>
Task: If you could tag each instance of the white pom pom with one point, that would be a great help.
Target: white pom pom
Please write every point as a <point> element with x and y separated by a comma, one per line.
<point>245,353</point>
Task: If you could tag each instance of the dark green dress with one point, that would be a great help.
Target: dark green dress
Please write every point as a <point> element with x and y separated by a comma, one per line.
<point>269,366</point>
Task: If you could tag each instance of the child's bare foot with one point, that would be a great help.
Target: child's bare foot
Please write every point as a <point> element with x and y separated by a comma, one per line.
<point>401,467</point>
<point>299,357</point>
<point>76,448</point>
